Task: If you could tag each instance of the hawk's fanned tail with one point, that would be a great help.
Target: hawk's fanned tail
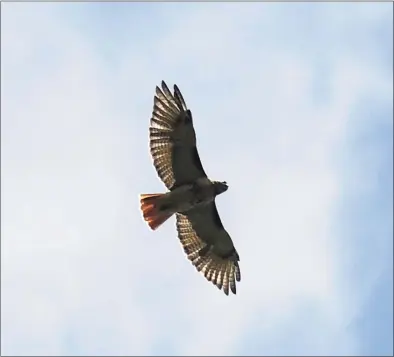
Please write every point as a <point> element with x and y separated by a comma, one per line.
<point>151,211</point>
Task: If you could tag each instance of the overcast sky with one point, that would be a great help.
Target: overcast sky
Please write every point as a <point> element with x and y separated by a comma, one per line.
<point>292,106</point>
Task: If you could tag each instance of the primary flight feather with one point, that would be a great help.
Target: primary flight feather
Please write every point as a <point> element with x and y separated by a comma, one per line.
<point>191,195</point>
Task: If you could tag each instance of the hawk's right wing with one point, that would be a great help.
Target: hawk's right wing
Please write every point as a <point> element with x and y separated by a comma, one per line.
<point>173,140</point>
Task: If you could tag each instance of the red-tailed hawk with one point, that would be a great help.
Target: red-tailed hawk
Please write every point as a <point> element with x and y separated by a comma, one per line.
<point>191,195</point>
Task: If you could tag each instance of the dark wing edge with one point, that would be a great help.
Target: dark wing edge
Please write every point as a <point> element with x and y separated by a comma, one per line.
<point>223,272</point>
<point>166,110</point>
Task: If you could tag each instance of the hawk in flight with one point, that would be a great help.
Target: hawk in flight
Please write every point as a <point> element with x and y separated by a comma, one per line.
<point>191,195</point>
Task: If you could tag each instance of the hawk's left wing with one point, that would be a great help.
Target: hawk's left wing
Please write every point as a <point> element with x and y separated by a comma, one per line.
<point>209,247</point>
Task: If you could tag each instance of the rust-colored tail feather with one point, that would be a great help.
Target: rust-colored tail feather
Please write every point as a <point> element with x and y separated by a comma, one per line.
<point>150,210</point>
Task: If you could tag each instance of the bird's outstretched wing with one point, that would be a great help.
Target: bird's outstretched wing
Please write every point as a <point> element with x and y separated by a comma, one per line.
<point>209,247</point>
<point>173,140</point>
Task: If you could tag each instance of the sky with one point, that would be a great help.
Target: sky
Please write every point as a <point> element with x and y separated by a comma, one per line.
<point>292,106</point>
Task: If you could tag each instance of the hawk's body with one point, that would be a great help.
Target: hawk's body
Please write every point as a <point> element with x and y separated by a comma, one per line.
<point>191,194</point>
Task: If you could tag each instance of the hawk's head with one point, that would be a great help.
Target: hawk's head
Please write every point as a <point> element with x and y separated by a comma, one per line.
<point>220,187</point>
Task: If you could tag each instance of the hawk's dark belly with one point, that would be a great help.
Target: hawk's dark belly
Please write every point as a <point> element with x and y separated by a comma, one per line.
<point>186,197</point>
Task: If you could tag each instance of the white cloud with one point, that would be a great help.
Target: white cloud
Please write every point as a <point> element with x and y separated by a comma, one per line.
<point>81,273</point>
